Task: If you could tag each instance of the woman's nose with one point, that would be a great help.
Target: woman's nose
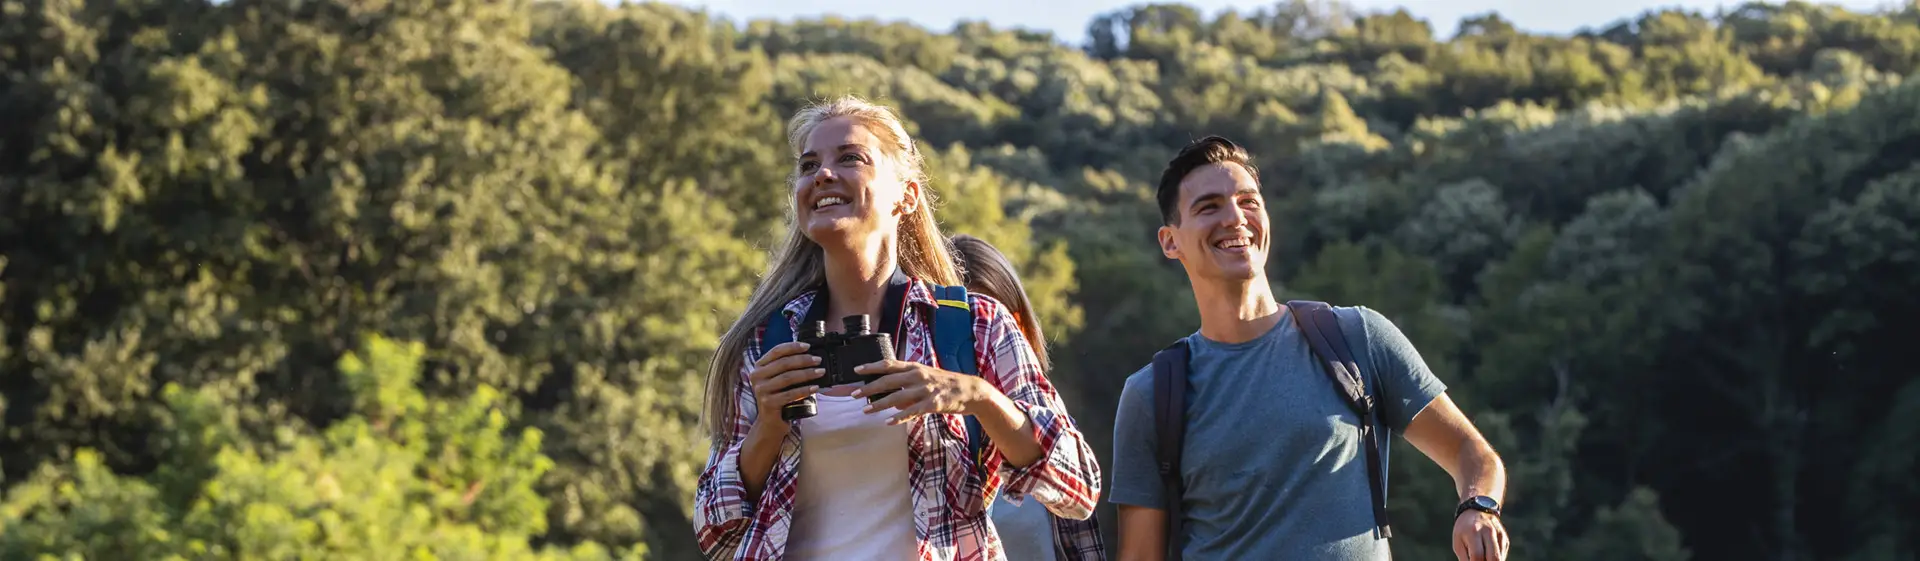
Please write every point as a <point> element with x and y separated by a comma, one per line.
<point>823,176</point>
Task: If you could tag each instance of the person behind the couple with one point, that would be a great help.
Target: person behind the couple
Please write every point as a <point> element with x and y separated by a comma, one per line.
<point>1027,531</point>
<point>893,478</point>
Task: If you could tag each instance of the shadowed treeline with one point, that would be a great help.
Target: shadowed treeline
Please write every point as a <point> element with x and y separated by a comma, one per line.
<point>364,279</point>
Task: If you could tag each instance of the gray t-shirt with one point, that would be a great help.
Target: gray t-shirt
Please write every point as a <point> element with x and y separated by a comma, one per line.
<point>1273,465</point>
<point>1026,531</point>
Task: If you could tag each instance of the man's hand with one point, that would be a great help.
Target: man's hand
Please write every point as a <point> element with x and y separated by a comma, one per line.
<point>1478,536</point>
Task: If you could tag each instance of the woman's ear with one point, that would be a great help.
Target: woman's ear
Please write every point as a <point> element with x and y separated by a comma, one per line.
<point>909,198</point>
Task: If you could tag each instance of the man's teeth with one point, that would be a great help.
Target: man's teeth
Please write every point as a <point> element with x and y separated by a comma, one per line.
<point>1230,244</point>
<point>824,202</point>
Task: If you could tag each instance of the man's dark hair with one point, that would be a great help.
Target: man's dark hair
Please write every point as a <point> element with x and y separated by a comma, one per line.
<point>1213,149</point>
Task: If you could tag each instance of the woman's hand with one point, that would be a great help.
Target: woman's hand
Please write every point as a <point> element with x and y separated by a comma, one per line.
<point>919,389</point>
<point>773,378</point>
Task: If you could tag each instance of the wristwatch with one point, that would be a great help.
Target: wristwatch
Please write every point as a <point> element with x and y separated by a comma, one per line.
<point>1481,503</point>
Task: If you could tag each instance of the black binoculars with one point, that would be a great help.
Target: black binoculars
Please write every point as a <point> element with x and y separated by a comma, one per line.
<point>839,353</point>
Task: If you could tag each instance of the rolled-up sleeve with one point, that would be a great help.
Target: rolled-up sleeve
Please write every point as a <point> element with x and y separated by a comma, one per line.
<point>1066,478</point>
<point>721,508</point>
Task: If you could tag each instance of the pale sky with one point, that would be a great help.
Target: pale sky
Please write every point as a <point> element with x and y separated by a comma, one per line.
<point>1068,18</point>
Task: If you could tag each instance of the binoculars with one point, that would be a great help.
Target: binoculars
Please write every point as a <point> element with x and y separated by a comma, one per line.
<point>839,353</point>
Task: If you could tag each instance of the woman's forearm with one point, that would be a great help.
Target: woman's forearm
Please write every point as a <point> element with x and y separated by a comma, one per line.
<point>1007,426</point>
<point>757,455</point>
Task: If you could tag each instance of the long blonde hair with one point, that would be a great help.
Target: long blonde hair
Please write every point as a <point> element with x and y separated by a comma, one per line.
<point>798,264</point>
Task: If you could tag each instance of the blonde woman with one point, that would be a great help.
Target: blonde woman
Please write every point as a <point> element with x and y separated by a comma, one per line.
<point>889,477</point>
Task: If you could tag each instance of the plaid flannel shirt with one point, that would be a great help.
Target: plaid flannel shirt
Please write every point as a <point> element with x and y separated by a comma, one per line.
<point>950,490</point>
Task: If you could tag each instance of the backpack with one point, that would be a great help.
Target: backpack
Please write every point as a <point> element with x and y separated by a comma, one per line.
<point>952,341</point>
<point>1329,343</point>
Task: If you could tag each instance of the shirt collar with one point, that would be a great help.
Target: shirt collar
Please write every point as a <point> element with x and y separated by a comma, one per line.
<point>919,293</point>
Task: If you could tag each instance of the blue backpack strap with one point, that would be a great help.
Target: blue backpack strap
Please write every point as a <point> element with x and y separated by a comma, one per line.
<point>779,331</point>
<point>953,343</point>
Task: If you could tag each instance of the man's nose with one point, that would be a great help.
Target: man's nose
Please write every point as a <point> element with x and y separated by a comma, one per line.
<point>1238,217</point>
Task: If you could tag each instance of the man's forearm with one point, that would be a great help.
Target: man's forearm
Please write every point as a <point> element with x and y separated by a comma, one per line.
<point>1481,471</point>
<point>1444,434</point>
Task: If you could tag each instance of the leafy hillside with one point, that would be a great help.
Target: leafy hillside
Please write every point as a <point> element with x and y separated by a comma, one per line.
<point>372,278</point>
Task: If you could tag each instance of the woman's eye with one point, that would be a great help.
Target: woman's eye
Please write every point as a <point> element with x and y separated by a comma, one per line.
<point>807,166</point>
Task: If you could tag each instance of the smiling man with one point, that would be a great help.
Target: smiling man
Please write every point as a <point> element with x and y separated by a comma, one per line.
<point>1272,459</point>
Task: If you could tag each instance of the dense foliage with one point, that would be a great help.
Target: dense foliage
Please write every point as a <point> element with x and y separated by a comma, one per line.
<point>379,280</point>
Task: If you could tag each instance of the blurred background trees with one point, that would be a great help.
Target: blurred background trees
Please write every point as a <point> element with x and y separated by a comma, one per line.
<point>381,278</point>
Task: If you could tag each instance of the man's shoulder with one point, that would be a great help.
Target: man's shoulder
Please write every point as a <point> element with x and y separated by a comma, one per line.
<point>1140,382</point>
<point>1346,311</point>
<point>1359,320</point>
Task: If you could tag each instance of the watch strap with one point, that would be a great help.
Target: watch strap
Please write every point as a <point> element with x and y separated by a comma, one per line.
<point>1473,503</point>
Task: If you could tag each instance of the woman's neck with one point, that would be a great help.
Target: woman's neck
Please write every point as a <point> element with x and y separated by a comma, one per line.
<point>857,279</point>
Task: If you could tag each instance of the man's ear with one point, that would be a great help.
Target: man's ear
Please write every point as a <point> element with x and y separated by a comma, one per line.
<point>1168,246</point>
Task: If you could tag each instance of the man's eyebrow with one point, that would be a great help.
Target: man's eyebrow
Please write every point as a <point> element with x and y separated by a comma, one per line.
<point>1205,198</point>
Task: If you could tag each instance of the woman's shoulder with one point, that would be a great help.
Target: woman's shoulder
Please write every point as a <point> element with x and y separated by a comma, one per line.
<point>984,305</point>
<point>799,303</point>
<point>991,319</point>
<point>987,311</point>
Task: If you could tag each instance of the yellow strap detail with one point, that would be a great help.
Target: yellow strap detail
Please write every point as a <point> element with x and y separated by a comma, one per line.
<point>954,303</point>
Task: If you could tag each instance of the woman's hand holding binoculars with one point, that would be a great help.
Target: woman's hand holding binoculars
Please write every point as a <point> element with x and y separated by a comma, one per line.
<point>774,377</point>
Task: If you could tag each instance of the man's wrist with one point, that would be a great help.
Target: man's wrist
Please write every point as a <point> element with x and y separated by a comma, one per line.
<point>1479,503</point>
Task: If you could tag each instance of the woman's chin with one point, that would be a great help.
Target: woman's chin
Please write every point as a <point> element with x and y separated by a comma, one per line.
<point>832,231</point>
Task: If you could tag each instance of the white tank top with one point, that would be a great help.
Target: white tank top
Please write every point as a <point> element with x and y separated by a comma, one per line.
<point>854,499</point>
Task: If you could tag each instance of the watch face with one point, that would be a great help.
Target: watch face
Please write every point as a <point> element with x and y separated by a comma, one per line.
<point>1483,502</point>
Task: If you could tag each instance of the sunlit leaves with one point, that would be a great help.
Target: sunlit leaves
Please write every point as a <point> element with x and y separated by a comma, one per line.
<point>1597,240</point>
<point>402,476</point>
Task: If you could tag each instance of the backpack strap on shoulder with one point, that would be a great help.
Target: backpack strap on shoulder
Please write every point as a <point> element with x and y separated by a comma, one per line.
<point>1321,327</point>
<point>953,343</point>
<point>1170,420</point>
<point>778,331</point>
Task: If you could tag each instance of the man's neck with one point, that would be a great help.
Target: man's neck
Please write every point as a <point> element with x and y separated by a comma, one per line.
<point>1236,311</point>
<point>857,281</point>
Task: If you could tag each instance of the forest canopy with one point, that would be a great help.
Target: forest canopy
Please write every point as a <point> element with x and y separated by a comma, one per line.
<point>384,280</point>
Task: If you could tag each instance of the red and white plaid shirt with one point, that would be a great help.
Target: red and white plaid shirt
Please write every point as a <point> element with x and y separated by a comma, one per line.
<point>950,490</point>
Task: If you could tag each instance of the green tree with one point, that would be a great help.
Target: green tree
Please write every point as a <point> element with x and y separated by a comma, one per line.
<point>1666,262</point>
<point>402,476</point>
